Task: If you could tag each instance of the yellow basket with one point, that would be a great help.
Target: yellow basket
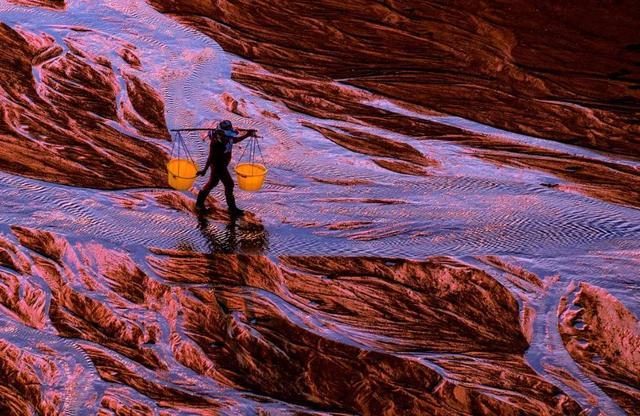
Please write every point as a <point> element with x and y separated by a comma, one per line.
<point>251,176</point>
<point>181,174</point>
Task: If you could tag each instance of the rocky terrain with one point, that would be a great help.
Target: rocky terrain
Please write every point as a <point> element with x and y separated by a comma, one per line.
<point>579,83</point>
<point>57,101</point>
<point>450,223</point>
<point>574,79</point>
<point>221,317</point>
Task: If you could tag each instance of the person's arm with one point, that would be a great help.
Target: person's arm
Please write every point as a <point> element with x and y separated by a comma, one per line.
<point>247,133</point>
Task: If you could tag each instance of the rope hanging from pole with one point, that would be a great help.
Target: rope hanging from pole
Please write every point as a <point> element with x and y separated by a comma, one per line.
<point>181,168</point>
<point>179,148</point>
<point>252,146</point>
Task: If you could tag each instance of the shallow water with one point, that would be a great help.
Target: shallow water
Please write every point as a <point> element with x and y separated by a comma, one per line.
<point>466,209</point>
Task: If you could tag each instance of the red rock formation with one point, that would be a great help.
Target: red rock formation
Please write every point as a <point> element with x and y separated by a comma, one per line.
<point>72,81</point>
<point>297,332</point>
<point>252,341</point>
<point>609,181</point>
<point>116,401</point>
<point>148,117</point>
<point>234,106</point>
<point>480,62</point>
<point>51,4</point>
<point>129,56</point>
<point>401,167</point>
<point>232,333</point>
<point>22,375</point>
<point>372,145</point>
<point>54,128</point>
<point>26,301</point>
<point>565,72</point>
<point>603,336</point>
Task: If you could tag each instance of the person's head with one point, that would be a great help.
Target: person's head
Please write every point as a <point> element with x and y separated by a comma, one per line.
<point>227,128</point>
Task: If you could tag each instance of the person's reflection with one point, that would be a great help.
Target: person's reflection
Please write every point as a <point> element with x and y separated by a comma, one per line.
<point>238,236</point>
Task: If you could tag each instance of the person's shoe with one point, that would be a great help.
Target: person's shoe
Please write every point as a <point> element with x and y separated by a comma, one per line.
<point>236,212</point>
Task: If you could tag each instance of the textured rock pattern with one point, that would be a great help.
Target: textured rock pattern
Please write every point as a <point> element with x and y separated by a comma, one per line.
<point>242,323</point>
<point>603,336</point>
<point>55,127</point>
<point>565,72</point>
<point>400,260</point>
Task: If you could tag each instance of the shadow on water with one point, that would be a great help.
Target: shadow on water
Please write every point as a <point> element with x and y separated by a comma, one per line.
<point>236,236</point>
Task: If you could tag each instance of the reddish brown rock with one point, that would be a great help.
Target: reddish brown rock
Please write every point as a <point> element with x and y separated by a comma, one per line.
<point>119,403</point>
<point>55,129</point>
<point>564,72</point>
<point>20,382</point>
<point>350,335</point>
<point>234,106</point>
<point>51,4</point>
<point>25,300</point>
<point>12,258</point>
<point>606,180</point>
<point>502,76</point>
<point>77,315</point>
<point>609,181</point>
<point>255,344</point>
<point>401,167</point>
<point>343,182</point>
<point>72,81</point>
<point>44,243</point>
<point>148,118</point>
<point>115,371</point>
<point>514,270</point>
<point>372,145</point>
<point>129,56</point>
<point>270,114</point>
<point>325,99</point>
<point>429,287</point>
<point>603,336</point>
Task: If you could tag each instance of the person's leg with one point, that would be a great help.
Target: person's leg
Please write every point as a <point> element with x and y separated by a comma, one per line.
<point>204,192</point>
<point>227,181</point>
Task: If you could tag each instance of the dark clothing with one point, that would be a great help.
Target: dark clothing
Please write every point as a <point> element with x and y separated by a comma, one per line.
<point>220,145</point>
<point>222,142</point>
<point>219,172</point>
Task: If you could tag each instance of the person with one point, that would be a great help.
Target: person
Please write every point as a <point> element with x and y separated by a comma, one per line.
<point>222,140</point>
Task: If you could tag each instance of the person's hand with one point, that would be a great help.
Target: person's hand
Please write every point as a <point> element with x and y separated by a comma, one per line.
<point>200,173</point>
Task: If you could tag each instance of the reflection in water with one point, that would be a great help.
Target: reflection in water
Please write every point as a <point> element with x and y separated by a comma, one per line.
<point>465,208</point>
<point>237,236</point>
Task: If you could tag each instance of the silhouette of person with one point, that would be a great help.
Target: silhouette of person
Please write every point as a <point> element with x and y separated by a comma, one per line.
<point>222,140</point>
<point>253,238</point>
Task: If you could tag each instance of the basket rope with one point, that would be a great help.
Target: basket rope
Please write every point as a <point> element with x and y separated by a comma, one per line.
<point>252,146</point>
<point>179,149</point>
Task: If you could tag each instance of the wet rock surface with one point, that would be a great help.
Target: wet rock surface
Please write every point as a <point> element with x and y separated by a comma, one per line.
<point>563,72</point>
<point>607,180</point>
<point>53,4</point>
<point>56,108</point>
<point>243,322</point>
<point>502,74</point>
<point>401,258</point>
<point>603,336</point>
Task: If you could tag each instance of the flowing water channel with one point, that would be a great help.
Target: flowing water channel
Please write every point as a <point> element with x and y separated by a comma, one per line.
<point>466,208</point>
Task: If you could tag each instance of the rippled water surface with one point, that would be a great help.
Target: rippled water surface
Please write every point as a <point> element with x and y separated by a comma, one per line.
<point>466,208</point>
